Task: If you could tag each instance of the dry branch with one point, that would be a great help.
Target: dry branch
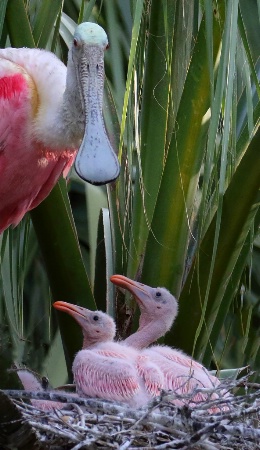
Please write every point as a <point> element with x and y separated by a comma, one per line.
<point>95,423</point>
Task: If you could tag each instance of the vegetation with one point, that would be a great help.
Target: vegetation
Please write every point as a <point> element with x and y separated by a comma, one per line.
<point>182,107</point>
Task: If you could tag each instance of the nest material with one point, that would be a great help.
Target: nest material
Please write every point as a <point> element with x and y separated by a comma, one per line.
<point>93,423</point>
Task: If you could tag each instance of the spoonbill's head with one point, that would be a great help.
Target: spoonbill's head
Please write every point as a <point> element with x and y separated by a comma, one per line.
<point>90,34</point>
<point>96,326</point>
<point>156,304</point>
<point>96,161</point>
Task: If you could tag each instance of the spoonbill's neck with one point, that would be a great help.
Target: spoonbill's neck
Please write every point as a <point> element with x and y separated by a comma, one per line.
<point>71,111</point>
<point>70,121</point>
<point>93,341</point>
<point>146,334</point>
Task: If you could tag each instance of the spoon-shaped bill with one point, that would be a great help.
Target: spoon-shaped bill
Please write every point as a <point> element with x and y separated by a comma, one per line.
<point>96,161</point>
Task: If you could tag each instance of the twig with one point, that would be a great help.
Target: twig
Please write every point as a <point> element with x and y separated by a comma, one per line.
<point>96,423</point>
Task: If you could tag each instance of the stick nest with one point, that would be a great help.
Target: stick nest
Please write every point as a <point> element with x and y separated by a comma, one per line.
<point>86,423</point>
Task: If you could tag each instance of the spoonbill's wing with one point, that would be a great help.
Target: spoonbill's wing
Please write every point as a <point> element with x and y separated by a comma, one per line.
<point>151,374</point>
<point>177,356</point>
<point>176,377</point>
<point>16,105</point>
<point>108,378</point>
<point>28,169</point>
<point>180,358</point>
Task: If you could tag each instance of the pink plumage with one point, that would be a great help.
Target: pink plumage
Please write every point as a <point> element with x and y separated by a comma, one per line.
<point>31,383</point>
<point>28,169</point>
<point>159,308</point>
<point>108,369</point>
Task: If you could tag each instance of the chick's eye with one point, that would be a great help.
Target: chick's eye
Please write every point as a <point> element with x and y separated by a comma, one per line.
<point>75,42</point>
<point>158,294</point>
<point>95,318</point>
<point>107,46</point>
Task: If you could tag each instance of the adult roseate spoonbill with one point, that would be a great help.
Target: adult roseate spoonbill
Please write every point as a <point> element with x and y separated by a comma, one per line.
<point>158,309</point>
<point>47,113</point>
<point>108,369</point>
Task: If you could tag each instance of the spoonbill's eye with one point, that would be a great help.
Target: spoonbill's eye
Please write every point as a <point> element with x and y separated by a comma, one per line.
<point>107,46</point>
<point>45,383</point>
<point>95,318</point>
<point>75,42</point>
<point>158,294</point>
